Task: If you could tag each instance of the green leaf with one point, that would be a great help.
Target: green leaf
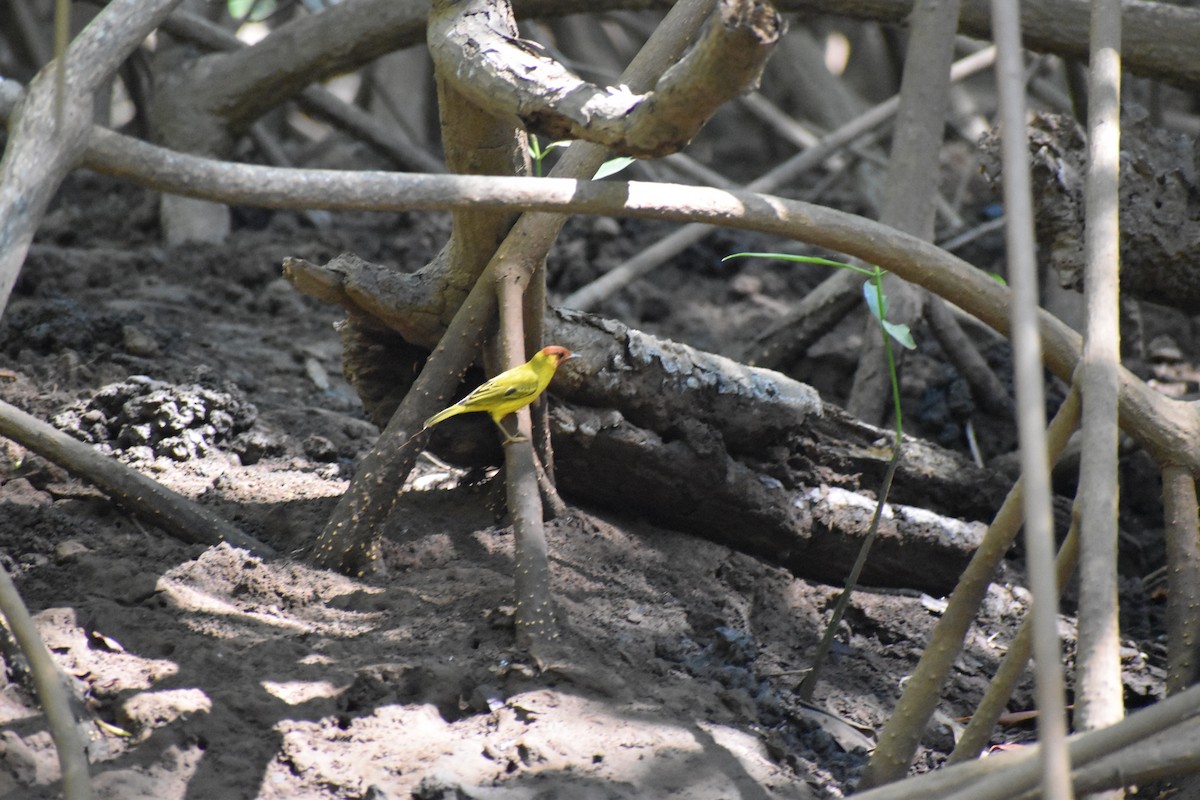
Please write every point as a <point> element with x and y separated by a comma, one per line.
<point>803,260</point>
<point>876,301</point>
<point>254,10</point>
<point>901,333</point>
<point>998,278</point>
<point>612,167</point>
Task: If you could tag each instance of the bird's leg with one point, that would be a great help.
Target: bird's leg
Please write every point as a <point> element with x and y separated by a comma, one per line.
<point>508,437</point>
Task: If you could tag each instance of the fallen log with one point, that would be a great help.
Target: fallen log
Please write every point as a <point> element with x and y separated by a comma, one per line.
<point>701,443</point>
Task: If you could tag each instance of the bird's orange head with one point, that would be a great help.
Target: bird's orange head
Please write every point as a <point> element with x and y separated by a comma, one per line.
<point>556,355</point>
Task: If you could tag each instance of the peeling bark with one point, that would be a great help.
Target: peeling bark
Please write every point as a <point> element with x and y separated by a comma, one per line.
<point>1159,208</point>
<point>510,76</point>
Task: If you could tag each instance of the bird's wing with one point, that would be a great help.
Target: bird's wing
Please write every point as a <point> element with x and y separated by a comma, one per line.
<point>503,389</point>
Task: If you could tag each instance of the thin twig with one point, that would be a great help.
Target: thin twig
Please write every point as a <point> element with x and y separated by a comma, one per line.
<point>995,701</point>
<point>589,296</point>
<point>809,685</point>
<point>900,736</point>
<point>1099,693</point>
<point>1031,414</point>
<point>51,691</point>
<point>1183,581</point>
<point>1168,429</point>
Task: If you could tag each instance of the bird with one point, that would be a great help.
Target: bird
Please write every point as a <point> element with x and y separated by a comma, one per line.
<point>510,390</point>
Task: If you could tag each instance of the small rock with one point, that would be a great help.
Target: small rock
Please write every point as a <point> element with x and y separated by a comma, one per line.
<point>441,786</point>
<point>136,589</point>
<point>1164,350</point>
<point>606,228</point>
<point>21,492</point>
<point>69,550</point>
<point>318,448</point>
<point>148,710</point>
<point>139,343</point>
<point>745,285</point>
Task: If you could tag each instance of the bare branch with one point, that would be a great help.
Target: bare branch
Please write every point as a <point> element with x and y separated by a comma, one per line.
<point>1170,430</point>
<point>1099,695</point>
<point>912,183</point>
<point>510,76</point>
<point>52,692</point>
<point>1028,375</point>
<point>1008,775</point>
<point>899,738</point>
<point>39,153</point>
<point>316,99</point>
<point>995,700</point>
<point>1159,38</point>
<point>1183,576</point>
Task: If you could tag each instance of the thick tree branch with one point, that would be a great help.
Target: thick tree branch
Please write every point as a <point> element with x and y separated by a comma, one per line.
<point>390,141</point>
<point>1169,429</point>
<point>1099,695</point>
<point>346,540</point>
<point>536,617</point>
<point>1159,42</point>
<point>912,184</point>
<point>1183,581</point>
<point>39,153</point>
<point>509,76</point>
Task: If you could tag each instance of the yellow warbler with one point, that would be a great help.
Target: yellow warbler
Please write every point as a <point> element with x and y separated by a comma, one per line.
<point>510,390</point>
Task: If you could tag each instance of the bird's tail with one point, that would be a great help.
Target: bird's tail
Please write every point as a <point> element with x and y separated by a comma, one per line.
<point>444,414</point>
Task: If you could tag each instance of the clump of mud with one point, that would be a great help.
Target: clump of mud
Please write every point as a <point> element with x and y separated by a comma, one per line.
<point>141,419</point>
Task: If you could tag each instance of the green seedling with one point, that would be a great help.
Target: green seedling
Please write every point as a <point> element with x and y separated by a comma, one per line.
<point>538,154</point>
<point>877,303</point>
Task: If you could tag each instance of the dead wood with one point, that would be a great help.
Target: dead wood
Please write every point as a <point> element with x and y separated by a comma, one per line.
<point>689,482</point>
<point>390,141</point>
<point>741,455</point>
<point>1166,428</point>
<point>510,77</point>
<point>44,146</point>
<point>1159,42</point>
<point>911,186</point>
<point>1159,207</point>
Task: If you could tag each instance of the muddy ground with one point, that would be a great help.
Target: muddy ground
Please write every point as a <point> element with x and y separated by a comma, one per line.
<point>210,673</point>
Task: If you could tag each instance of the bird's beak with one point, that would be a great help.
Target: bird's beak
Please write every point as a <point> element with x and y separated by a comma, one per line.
<point>573,355</point>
